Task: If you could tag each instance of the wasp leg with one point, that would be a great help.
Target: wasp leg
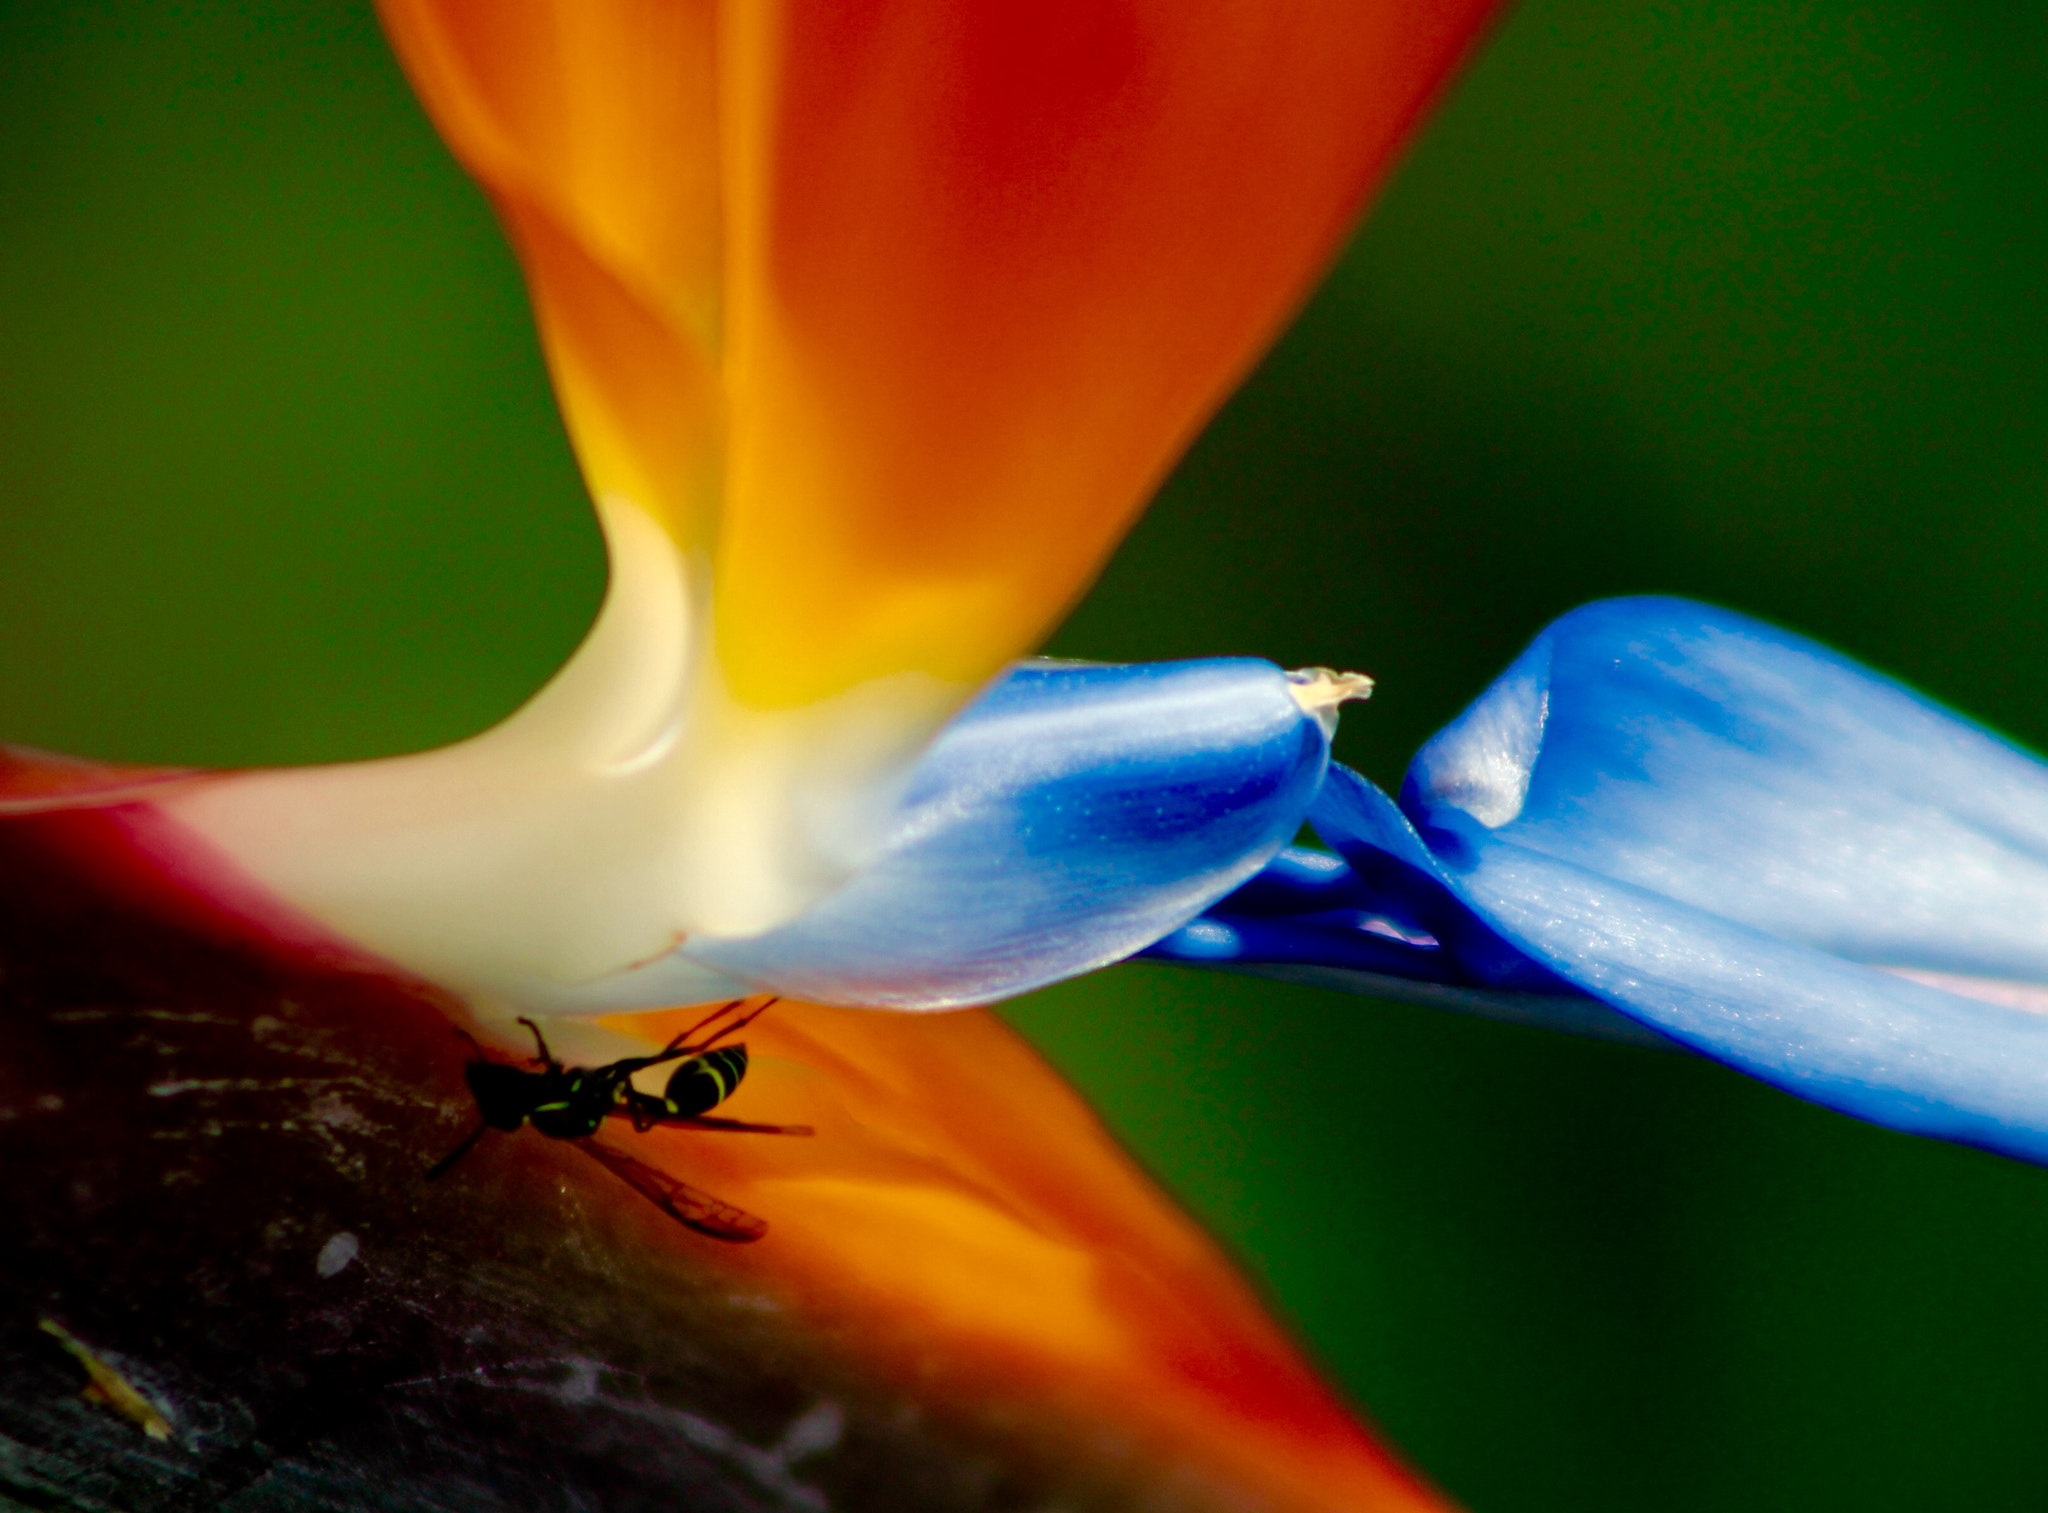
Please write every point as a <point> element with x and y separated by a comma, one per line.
<point>735,1027</point>
<point>645,1112</point>
<point>468,1145</point>
<point>681,1043</point>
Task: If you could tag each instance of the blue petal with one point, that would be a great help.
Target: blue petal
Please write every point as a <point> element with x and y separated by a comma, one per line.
<point>1723,828</point>
<point>1383,918</point>
<point>1732,766</point>
<point>1070,816</point>
<point>1757,847</point>
<point>1861,1040</point>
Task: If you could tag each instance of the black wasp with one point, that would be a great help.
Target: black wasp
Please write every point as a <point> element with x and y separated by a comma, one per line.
<point>572,1103</point>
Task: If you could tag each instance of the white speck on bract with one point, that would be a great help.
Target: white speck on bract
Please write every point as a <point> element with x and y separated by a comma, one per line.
<point>335,1255</point>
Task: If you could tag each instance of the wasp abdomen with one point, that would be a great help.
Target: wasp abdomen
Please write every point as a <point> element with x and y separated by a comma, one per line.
<point>701,1082</point>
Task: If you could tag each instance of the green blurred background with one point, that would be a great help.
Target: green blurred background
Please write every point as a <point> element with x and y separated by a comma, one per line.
<point>1740,300</point>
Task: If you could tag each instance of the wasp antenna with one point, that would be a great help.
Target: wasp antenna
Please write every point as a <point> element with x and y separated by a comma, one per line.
<point>468,1145</point>
<point>474,1044</point>
<point>546,1057</point>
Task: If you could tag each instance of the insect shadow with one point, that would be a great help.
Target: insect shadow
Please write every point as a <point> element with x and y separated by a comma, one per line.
<point>572,1103</point>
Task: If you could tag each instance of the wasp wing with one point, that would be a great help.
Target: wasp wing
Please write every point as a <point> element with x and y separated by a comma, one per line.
<point>685,1204</point>
<point>644,1118</point>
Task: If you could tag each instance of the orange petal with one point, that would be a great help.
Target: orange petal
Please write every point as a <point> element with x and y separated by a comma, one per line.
<point>908,338</point>
<point>964,1214</point>
<point>996,263</point>
<point>593,127</point>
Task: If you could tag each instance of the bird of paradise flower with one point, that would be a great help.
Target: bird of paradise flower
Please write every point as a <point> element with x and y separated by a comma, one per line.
<point>871,328</point>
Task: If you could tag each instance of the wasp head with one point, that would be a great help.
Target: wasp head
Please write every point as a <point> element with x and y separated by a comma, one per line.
<point>504,1095</point>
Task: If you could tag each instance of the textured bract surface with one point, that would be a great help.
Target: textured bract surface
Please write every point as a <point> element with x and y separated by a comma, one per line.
<point>213,1148</point>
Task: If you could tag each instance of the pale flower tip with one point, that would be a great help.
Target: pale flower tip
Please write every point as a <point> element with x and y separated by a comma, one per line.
<point>1321,690</point>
